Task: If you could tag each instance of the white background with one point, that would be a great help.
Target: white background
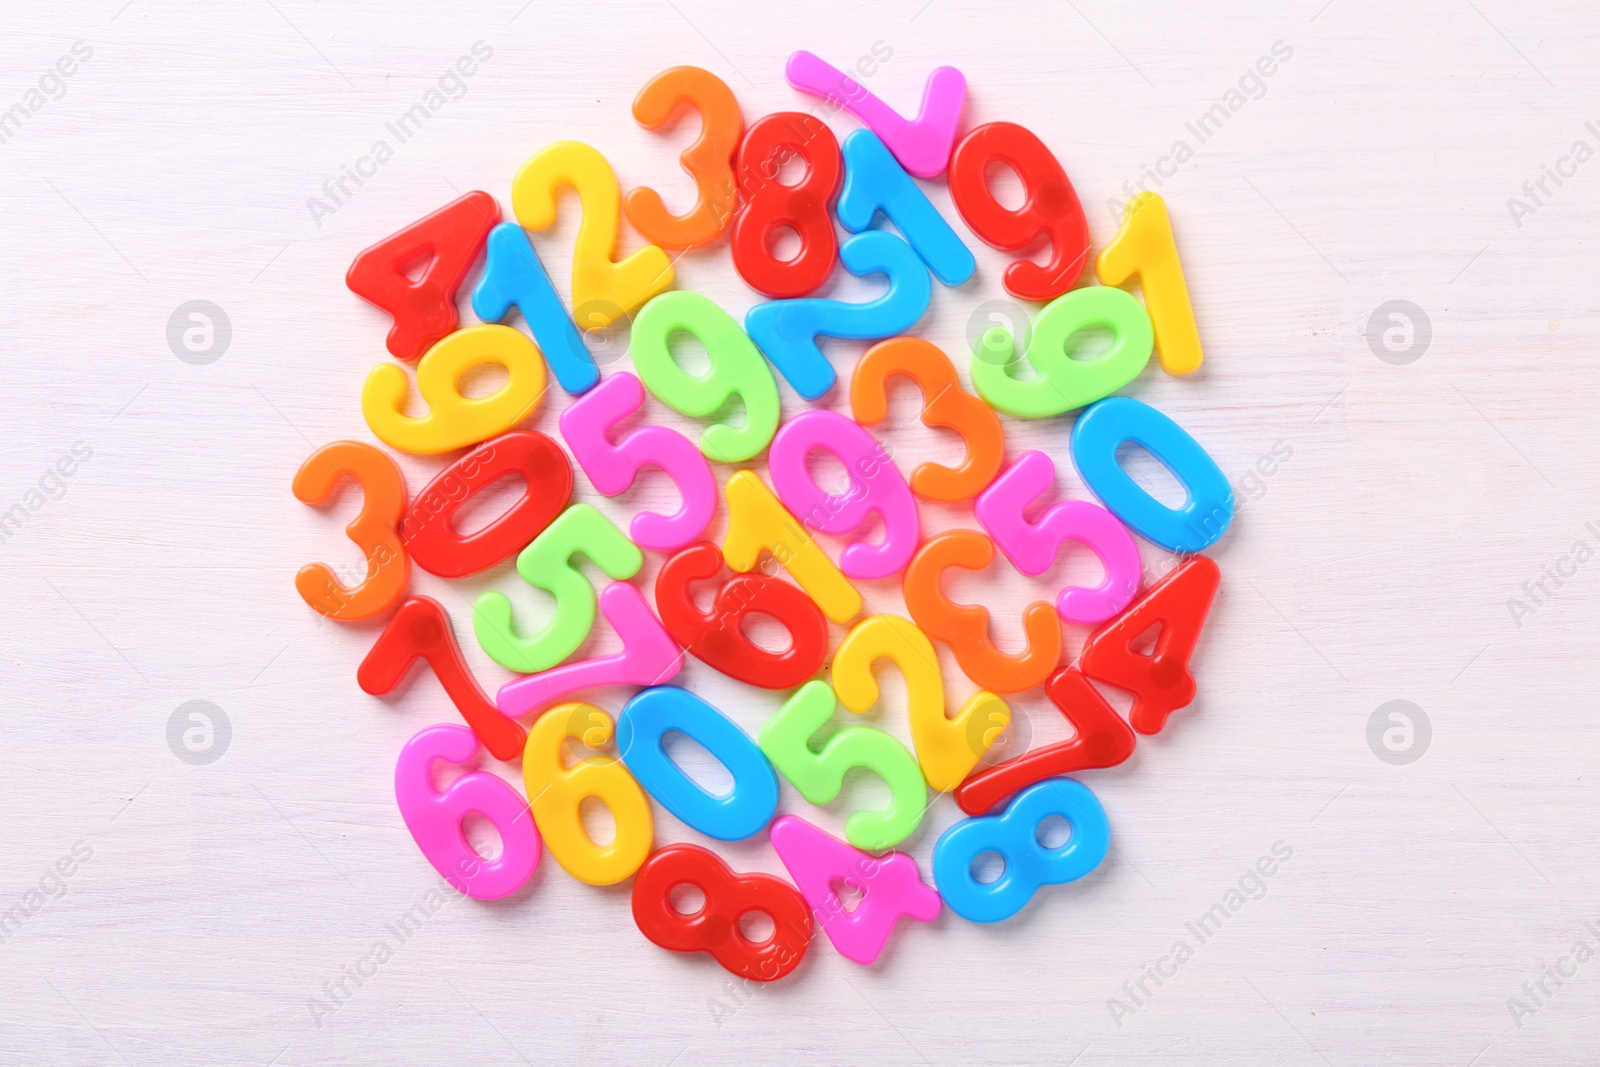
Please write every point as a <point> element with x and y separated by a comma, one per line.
<point>1375,564</point>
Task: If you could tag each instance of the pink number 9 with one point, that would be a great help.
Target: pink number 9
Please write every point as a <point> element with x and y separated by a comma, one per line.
<point>876,486</point>
<point>434,818</point>
<point>613,467</point>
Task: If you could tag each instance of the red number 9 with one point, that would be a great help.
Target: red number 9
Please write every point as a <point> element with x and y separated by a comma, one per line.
<point>769,205</point>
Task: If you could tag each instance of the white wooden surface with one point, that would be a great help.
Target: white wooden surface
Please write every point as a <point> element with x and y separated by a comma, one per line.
<point>1375,564</point>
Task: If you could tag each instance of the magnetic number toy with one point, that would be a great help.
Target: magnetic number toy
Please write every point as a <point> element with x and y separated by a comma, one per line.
<point>383,501</point>
<point>455,421</point>
<point>613,466</point>
<point>819,775</point>
<point>718,637</point>
<point>430,534</point>
<point>873,183</point>
<point>889,886</point>
<point>1050,208</point>
<point>756,521</point>
<point>1060,382</point>
<point>434,817</point>
<point>733,816</point>
<point>768,205</point>
<point>444,244</point>
<point>922,145</point>
<point>947,748</point>
<point>874,487</point>
<point>735,368</point>
<point>1144,249</point>
<point>1032,546</point>
<point>709,161</point>
<point>602,290</point>
<point>557,791</point>
<point>714,928</point>
<point>1096,438</point>
<point>945,404</point>
<point>514,277</point>
<point>787,330</point>
<point>965,627</point>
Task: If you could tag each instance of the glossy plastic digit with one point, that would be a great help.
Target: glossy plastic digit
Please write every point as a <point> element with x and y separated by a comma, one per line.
<point>383,501</point>
<point>709,160</point>
<point>613,466</point>
<point>733,816</point>
<point>514,277</point>
<point>922,145</point>
<point>965,627</point>
<point>873,183</point>
<point>787,330</point>
<point>1144,249</point>
<point>819,775</point>
<point>434,817</point>
<point>756,521</point>
<point>429,530</point>
<point>1029,866</point>
<point>422,630</point>
<point>1050,208</point>
<point>945,404</point>
<point>455,421</point>
<point>1060,382</point>
<point>649,656</point>
<point>947,748</point>
<point>1032,546</point>
<point>1159,680</point>
<point>1096,438</point>
<point>557,792</point>
<point>889,887</point>
<point>447,242</point>
<point>714,929</point>
<point>876,488</point>
<point>768,205</point>
<point>735,368</point>
<point>718,637</point>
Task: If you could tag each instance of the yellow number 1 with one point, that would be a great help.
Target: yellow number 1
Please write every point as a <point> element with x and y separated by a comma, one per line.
<point>1144,247</point>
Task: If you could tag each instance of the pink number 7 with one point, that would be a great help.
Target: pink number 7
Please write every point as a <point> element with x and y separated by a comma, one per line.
<point>922,145</point>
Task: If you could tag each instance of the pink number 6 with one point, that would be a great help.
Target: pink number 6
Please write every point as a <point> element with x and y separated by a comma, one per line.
<point>434,818</point>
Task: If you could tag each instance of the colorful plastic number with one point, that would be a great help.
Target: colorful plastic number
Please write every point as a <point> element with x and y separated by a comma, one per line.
<point>434,817</point>
<point>612,467</point>
<point>602,290</point>
<point>515,278</point>
<point>922,145</point>
<point>1029,865</point>
<point>1032,546</point>
<point>1096,438</point>
<point>818,776</point>
<point>1050,208</point>
<point>422,630</point>
<point>874,182</point>
<point>945,404</point>
<point>735,368</point>
<point>769,205</point>
<point>709,160</point>
<point>874,487</point>
<point>1144,249</point>
<point>1062,383</point>
<point>734,815</point>
<point>649,656</point>
<point>430,534</point>
<point>787,330</point>
<point>965,627</point>
<point>1100,739</point>
<point>446,244</point>
<point>756,521</point>
<point>455,421</point>
<point>714,929</point>
<point>557,791</point>
<point>947,748</point>
<point>718,637</point>
<point>1160,680</point>
<point>889,887</point>
<point>383,493</point>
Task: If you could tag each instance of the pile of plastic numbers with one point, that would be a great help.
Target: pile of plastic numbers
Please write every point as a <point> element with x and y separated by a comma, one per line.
<point>414,276</point>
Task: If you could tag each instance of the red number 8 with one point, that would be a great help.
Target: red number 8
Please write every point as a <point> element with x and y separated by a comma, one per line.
<point>803,207</point>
